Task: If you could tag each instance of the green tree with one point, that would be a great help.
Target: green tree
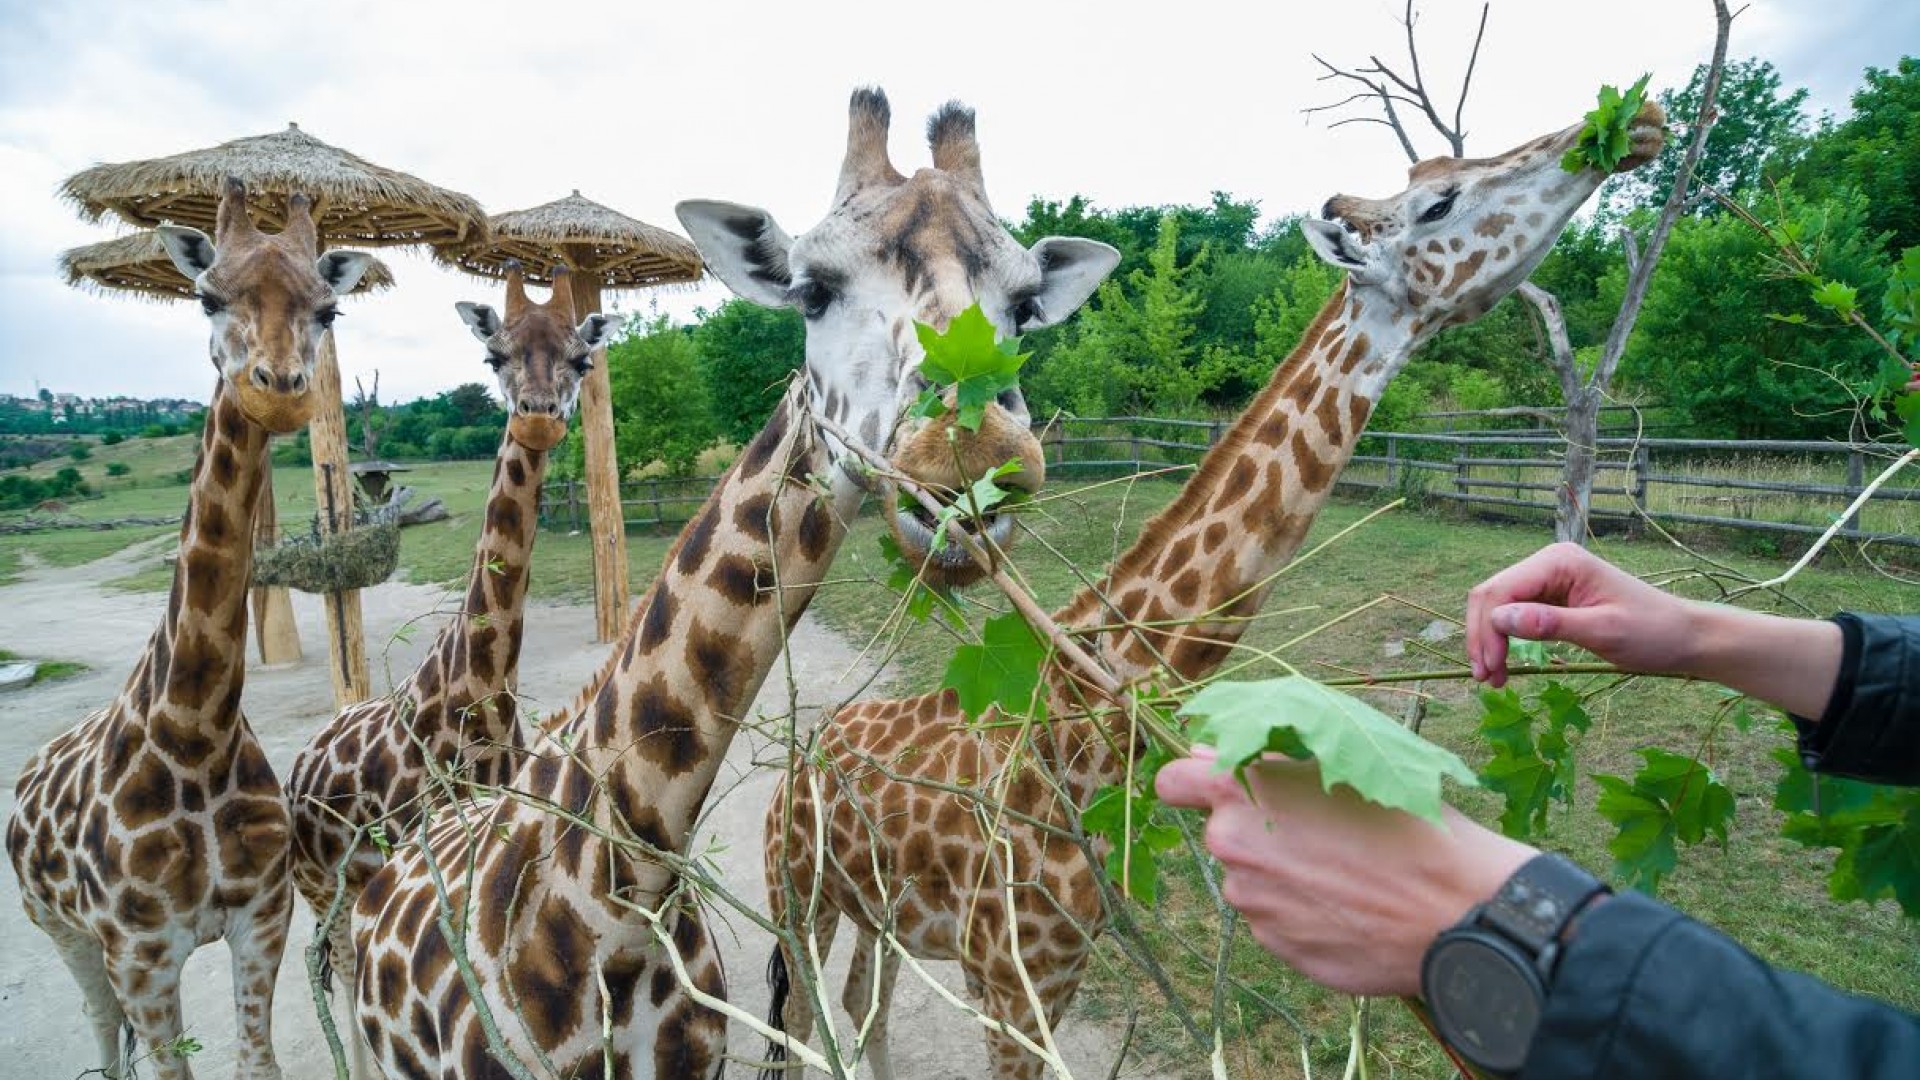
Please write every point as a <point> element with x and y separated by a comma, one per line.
<point>1876,151</point>
<point>79,451</point>
<point>471,404</point>
<point>662,411</point>
<point>747,352</point>
<point>1708,345</point>
<point>1280,319</point>
<point>1136,349</point>
<point>1761,131</point>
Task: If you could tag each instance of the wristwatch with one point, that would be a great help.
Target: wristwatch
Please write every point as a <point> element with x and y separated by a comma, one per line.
<point>1486,979</point>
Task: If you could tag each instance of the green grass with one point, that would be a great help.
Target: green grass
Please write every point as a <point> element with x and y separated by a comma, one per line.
<point>1764,891</point>
<point>48,670</point>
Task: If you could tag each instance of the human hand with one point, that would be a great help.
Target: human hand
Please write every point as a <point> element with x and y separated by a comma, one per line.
<point>1348,892</point>
<point>1567,593</point>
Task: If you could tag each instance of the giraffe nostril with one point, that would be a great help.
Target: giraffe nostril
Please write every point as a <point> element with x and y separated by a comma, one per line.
<point>523,407</point>
<point>553,408</point>
<point>259,377</point>
<point>297,383</point>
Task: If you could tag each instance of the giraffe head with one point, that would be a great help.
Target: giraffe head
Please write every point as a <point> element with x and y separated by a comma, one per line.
<point>1466,231</point>
<point>269,298</point>
<point>895,250</point>
<point>539,356</point>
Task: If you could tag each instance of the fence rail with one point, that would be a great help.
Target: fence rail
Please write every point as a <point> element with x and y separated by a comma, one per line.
<point>1781,486</point>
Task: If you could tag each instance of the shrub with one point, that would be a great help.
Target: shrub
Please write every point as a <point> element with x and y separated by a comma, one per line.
<point>79,451</point>
<point>112,438</point>
<point>118,468</point>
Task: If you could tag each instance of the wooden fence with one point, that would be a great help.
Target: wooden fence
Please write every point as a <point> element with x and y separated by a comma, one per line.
<point>1782,487</point>
<point>1793,487</point>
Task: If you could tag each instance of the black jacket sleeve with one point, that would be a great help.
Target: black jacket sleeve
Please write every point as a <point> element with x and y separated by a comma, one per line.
<point>1644,991</point>
<point>1871,729</point>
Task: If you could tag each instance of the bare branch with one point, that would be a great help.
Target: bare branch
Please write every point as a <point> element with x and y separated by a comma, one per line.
<point>1466,82</point>
<point>1637,282</point>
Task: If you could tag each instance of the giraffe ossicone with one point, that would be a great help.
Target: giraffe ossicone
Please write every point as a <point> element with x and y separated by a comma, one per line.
<point>373,764</point>
<point>914,857</point>
<point>155,825</point>
<point>561,906</point>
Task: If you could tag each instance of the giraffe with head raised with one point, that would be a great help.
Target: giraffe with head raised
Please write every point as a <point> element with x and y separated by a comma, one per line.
<point>1462,235</point>
<point>558,949</point>
<point>155,826</point>
<point>369,767</point>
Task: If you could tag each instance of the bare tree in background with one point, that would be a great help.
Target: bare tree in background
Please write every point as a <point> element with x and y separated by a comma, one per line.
<point>368,406</point>
<point>1404,91</point>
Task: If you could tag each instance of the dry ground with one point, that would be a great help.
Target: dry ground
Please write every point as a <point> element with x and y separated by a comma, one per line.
<point>63,612</point>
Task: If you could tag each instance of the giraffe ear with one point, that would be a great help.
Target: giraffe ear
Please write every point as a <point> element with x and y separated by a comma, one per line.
<point>190,249</point>
<point>479,318</point>
<point>743,246</point>
<point>598,329</point>
<point>1070,269</point>
<point>341,270</point>
<point>1336,248</point>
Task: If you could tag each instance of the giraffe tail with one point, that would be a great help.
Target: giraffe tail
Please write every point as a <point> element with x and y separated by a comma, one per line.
<point>778,986</point>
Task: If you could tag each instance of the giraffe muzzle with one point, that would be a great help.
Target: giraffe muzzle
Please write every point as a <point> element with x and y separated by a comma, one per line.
<point>277,401</point>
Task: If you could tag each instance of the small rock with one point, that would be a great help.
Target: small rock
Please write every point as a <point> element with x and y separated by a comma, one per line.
<point>1439,630</point>
<point>13,676</point>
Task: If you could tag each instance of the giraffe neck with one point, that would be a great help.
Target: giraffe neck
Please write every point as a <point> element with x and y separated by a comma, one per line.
<point>651,731</point>
<point>478,653</point>
<point>192,671</point>
<point>1204,563</point>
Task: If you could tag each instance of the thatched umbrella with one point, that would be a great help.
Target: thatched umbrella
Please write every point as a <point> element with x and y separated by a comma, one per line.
<point>138,264</point>
<point>354,201</point>
<point>602,249</point>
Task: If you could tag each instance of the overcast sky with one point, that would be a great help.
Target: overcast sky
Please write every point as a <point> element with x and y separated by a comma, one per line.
<point>640,105</point>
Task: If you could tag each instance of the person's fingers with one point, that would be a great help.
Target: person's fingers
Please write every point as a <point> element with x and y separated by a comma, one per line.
<point>1191,782</point>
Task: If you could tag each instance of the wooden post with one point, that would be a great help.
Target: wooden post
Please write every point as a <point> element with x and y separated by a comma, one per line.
<point>1856,482</point>
<point>608,527</point>
<point>275,634</point>
<point>333,499</point>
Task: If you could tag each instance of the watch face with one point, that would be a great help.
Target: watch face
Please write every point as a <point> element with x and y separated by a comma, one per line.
<point>1485,999</point>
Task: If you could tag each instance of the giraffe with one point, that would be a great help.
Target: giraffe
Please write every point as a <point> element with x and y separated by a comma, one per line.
<point>558,947</point>
<point>1461,236</point>
<point>155,825</point>
<point>456,710</point>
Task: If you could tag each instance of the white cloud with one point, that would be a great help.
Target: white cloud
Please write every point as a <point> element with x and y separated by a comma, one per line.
<point>640,105</point>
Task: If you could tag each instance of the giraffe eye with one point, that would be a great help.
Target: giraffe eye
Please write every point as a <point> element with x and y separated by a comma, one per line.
<point>1024,312</point>
<point>583,363</point>
<point>495,360</point>
<point>812,298</point>
<point>325,316</point>
<point>1440,209</point>
<point>211,305</point>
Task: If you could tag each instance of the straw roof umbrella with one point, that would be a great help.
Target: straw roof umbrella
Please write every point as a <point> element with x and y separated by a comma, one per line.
<point>354,201</point>
<point>138,264</point>
<point>602,249</point>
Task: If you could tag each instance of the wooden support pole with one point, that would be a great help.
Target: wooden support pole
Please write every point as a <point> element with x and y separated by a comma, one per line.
<point>608,526</point>
<point>275,634</point>
<point>333,499</point>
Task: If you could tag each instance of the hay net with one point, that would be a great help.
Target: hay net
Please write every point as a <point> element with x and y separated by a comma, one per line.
<point>358,559</point>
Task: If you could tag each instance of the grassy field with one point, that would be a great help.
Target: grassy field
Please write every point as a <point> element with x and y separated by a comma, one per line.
<point>1766,892</point>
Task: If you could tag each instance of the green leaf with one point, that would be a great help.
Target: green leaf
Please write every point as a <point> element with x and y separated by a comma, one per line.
<point>1003,670</point>
<point>1673,799</point>
<point>1506,723</point>
<point>1354,743</point>
<point>1527,654</point>
<point>1886,862</point>
<point>1605,139</point>
<point>1838,297</point>
<point>967,358</point>
<point>1526,782</point>
<point>1138,869</point>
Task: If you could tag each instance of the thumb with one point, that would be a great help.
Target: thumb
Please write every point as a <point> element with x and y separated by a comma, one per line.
<point>1545,622</point>
<point>1187,782</point>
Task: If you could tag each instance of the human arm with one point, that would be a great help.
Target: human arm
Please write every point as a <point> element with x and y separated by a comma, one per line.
<point>1352,894</point>
<point>1567,593</point>
<point>1851,683</point>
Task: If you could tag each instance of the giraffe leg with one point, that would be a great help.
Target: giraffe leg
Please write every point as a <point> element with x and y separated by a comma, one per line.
<point>88,962</point>
<point>346,1008</point>
<point>1007,1059</point>
<point>150,994</point>
<point>865,992</point>
<point>797,1019</point>
<point>257,938</point>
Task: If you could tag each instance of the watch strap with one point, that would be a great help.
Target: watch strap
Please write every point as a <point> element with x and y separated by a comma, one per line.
<point>1535,905</point>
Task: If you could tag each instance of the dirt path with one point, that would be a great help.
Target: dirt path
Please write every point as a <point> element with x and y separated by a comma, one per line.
<point>62,613</point>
